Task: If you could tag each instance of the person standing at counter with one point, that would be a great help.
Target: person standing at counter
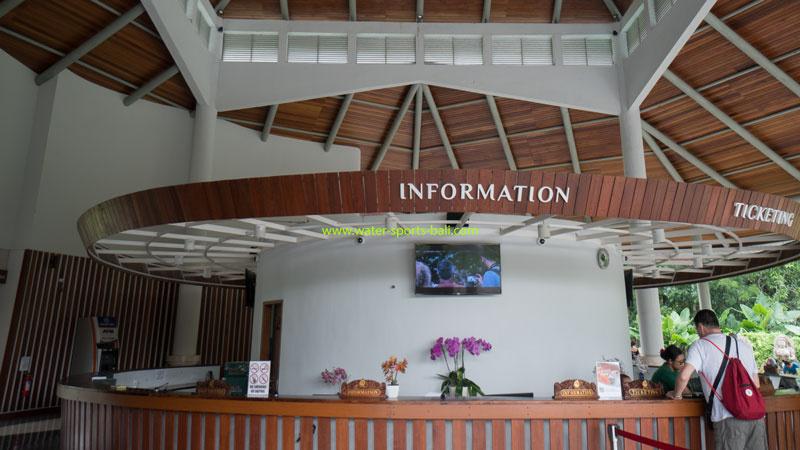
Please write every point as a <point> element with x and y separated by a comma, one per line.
<point>674,361</point>
<point>730,433</point>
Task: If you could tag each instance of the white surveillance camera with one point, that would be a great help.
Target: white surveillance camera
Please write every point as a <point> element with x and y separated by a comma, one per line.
<point>360,240</point>
<point>541,241</point>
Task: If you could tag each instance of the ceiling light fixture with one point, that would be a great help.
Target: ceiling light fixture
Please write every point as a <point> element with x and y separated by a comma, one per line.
<point>544,231</point>
<point>188,245</point>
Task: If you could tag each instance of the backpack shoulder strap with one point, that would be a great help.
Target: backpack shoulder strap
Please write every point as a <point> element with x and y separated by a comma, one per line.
<point>721,369</point>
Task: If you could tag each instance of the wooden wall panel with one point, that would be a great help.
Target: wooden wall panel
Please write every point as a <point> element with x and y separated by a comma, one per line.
<point>225,326</point>
<point>469,122</point>
<point>519,116</point>
<point>55,290</point>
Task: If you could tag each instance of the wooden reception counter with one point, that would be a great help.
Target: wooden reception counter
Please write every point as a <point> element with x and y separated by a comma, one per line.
<point>94,416</point>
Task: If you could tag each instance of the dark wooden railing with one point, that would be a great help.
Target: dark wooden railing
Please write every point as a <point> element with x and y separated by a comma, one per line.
<point>94,419</point>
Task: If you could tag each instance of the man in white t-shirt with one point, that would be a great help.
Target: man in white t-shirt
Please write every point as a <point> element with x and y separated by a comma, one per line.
<point>730,433</point>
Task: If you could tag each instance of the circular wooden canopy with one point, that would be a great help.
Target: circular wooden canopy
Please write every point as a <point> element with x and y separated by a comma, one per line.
<point>713,231</point>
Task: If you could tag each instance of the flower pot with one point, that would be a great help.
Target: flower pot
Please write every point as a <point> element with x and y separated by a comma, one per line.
<point>392,391</point>
<point>452,392</point>
<point>465,392</point>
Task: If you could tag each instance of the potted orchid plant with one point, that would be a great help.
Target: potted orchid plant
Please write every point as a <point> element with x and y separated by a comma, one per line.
<point>335,377</point>
<point>391,368</point>
<point>457,349</point>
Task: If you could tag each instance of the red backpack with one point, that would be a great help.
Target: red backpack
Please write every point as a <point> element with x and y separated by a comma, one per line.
<point>739,395</point>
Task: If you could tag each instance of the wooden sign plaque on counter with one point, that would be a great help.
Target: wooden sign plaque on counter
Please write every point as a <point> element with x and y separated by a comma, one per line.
<point>363,389</point>
<point>575,390</point>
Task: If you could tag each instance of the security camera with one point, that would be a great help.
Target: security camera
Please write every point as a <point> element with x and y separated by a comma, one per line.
<point>541,241</point>
<point>360,240</point>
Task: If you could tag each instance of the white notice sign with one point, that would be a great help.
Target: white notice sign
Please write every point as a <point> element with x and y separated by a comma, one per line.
<point>608,380</point>
<point>258,379</point>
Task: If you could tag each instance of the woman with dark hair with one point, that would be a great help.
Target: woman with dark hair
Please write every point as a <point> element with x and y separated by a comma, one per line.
<point>674,360</point>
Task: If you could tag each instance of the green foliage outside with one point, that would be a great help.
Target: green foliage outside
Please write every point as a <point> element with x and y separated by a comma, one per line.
<point>759,306</point>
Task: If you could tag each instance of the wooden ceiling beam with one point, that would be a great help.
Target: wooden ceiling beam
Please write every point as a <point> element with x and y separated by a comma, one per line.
<point>265,131</point>
<point>732,124</point>
<point>440,126</point>
<point>87,66</point>
<point>338,122</point>
<point>753,54</point>
<point>573,149</point>
<point>501,132</point>
<point>687,155</point>
<point>662,157</point>
<point>285,9</point>
<point>150,85</point>
<point>398,120</point>
<point>612,8</point>
<point>92,43</point>
<point>8,5</point>
<point>487,11</point>
<point>417,128</point>
<point>556,11</point>
<point>221,6</point>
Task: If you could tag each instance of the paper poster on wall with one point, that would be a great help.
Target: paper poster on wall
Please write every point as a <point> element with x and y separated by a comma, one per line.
<point>258,379</point>
<point>609,385</point>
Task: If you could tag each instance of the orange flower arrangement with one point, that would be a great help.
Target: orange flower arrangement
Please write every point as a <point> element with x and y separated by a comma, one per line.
<point>392,367</point>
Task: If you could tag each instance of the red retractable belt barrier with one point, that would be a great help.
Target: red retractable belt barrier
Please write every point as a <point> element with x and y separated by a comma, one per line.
<point>646,441</point>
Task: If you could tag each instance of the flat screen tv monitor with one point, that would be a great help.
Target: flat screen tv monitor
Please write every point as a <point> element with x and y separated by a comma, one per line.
<point>455,269</point>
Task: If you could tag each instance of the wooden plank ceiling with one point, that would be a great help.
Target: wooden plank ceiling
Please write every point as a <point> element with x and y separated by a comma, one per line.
<point>36,32</point>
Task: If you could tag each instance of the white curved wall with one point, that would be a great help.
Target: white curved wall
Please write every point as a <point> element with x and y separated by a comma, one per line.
<point>558,314</point>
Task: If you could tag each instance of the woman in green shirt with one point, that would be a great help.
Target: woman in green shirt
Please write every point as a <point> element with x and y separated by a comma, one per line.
<point>674,360</point>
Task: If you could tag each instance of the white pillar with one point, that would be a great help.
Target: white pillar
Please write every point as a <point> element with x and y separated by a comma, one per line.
<point>202,159</point>
<point>648,306</point>
<point>630,129</point>
<point>648,309</point>
<point>187,320</point>
<point>704,294</point>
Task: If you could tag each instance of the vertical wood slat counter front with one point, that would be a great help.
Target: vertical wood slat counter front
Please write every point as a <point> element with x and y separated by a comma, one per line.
<point>101,419</point>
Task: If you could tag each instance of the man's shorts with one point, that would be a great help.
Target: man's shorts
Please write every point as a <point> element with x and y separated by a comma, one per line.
<point>737,434</point>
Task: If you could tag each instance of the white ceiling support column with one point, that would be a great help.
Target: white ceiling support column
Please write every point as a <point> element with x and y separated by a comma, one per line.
<point>241,85</point>
<point>417,128</point>
<point>632,149</point>
<point>704,295</point>
<point>753,54</point>
<point>501,132</point>
<point>573,149</point>
<point>267,129</point>
<point>642,69</point>
<point>198,65</point>
<point>556,11</point>
<point>352,10</point>
<point>150,85</point>
<point>221,6</point>
<point>420,10</point>
<point>398,119</point>
<point>92,43</point>
<point>732,124</point>
<point>440,126</point>
<point>648,310</point>
<point>688,156</point>
<point>8,5</point>
<point>612,8</point>
<point>662,157</point>
<point>487,11</point>
<point>338,122</point>
<point>285,9</point>
<point>202,157</point>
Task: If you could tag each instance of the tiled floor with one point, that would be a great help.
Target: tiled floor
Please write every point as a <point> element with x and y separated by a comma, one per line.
<point>31,433</point>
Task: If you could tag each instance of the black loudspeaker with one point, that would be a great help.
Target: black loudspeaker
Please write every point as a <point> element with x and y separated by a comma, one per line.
<point>249,288</point>
<point>455,216</point>
<point>629,287</point>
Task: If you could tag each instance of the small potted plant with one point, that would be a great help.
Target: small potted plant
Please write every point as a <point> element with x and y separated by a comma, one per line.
<point>335,377</point>
<point>456,348</point>
<point>391,368</point>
